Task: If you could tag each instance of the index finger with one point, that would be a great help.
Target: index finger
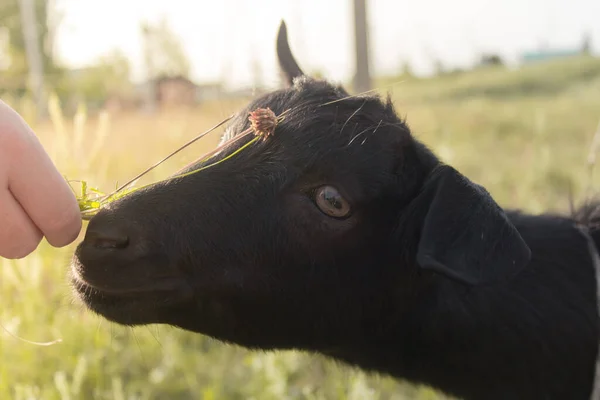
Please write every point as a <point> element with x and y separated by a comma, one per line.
<point>36,184</point>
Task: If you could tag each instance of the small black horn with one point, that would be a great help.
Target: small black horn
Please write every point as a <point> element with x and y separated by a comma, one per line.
<point>287,62</point>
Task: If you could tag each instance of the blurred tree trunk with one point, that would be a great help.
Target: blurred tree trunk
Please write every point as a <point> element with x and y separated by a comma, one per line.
<point>33,55</point>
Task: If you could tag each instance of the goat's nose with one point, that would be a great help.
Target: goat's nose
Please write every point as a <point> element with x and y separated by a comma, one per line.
<point>106,237</point>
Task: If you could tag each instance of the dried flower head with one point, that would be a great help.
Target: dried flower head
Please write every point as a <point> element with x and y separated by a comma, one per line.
<point>263,121</point>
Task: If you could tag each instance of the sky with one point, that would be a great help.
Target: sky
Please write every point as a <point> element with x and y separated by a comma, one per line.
<point>223,38</point>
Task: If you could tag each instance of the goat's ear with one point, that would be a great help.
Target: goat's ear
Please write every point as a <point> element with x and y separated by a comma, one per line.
<point>465,235</point>
<point>287,62</point>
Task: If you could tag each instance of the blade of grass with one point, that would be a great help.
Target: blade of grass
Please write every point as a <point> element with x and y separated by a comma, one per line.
<point>172,154</point>
<point>29,341</point>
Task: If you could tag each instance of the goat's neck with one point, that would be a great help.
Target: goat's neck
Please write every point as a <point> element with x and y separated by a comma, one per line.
<point>481,344</point>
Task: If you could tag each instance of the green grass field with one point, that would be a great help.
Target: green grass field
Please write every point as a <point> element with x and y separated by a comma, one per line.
<point>525,135</point>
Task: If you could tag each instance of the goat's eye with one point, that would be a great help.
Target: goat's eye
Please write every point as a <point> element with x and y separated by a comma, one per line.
<point>331,202</point>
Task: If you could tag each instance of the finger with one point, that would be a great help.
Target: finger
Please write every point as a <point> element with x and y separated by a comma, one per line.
<point>39,188</point>
<point>46,198</point>
<point>19,236</point>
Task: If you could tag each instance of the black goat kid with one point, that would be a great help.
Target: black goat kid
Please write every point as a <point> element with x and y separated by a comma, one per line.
<point>343,235</point>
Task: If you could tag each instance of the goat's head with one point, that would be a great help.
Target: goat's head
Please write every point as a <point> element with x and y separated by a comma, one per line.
<point>301,240</point>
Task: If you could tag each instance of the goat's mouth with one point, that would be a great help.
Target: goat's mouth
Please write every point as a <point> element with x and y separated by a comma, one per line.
<point>133,305</point>
<point>114,285</point>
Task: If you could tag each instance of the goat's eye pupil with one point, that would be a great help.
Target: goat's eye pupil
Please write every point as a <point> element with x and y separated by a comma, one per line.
<point>333,198</point>
<point>331,202</point>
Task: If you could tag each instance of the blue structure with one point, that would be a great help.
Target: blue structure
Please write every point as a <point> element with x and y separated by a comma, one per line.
<point>545,55</point>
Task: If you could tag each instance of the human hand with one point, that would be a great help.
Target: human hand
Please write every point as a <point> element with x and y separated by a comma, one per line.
<point>35,200</point>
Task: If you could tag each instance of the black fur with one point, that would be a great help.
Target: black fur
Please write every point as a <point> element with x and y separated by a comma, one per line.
<point>426,279</point>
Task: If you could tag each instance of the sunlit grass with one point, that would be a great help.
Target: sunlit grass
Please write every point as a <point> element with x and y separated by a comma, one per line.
<point>528,150</point>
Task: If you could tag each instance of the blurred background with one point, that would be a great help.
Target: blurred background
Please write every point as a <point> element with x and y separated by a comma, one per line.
<point>508,92</point>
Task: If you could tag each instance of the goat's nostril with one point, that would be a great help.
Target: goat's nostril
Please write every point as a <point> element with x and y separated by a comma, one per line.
<point>107,239</point>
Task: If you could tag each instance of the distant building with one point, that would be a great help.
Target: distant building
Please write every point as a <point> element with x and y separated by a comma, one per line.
<point>177,91</point>
<point>174,91</point>
<point>546,55</point>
